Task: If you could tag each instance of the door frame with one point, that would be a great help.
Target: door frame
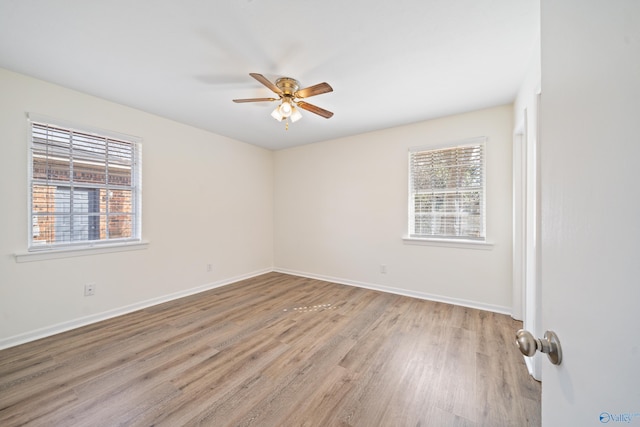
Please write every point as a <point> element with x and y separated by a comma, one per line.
<point>526,295</point>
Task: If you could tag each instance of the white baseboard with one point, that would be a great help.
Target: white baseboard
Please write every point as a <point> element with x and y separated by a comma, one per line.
<point>404,292</point>
<point>83,321</point>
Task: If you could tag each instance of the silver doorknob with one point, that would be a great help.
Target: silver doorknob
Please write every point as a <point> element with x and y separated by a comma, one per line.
<point>549,344</point>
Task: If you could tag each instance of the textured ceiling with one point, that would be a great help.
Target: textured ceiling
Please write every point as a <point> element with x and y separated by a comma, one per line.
<point>389,62</point>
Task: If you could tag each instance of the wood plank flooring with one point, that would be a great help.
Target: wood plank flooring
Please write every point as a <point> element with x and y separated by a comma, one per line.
<point>276,350</point>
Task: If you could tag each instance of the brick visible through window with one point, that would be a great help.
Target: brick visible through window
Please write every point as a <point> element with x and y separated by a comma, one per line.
<point>84,187</point>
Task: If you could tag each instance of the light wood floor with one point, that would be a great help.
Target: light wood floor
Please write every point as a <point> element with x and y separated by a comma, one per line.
<point>276,350</point>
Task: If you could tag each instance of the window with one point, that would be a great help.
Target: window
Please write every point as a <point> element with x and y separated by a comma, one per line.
<point>84,187</point>
<point>447,191</point>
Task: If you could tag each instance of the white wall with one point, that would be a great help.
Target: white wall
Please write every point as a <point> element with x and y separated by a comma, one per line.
<point>206,199</point>
<point>341,212</point>
<point>590,146</point>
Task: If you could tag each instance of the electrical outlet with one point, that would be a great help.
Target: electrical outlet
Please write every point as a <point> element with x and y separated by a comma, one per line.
<point>89,289</point>
<point>383,269</point>
<point>209,268</point>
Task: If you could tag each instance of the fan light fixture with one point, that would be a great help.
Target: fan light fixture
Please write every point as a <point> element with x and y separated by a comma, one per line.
<point>286,110</point>
<point>289,92</point>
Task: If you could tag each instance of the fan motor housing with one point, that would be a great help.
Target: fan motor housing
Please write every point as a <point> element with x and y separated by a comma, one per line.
<point>287,85</point>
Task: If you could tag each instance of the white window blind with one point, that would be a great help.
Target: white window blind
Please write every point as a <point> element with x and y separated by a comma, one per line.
<point>84,188</point>
<point>447,191</point>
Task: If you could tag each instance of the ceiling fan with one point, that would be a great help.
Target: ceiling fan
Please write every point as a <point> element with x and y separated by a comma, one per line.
<point>290,96</point>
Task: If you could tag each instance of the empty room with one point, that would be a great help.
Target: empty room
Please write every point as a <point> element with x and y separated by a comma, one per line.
<point>261,213</point>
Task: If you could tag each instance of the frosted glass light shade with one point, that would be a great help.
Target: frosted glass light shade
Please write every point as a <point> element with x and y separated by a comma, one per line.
<point>276,114</point>
<point>295,114</point>
<point>285,109</point>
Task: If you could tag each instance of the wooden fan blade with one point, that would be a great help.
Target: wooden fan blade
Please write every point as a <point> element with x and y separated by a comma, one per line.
<point>262,79</point>
<point>316,110</point>
<point>314,90</point>
<point>255,100</point>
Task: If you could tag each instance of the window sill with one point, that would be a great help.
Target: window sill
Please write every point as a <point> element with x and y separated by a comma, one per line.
<point>449,243</point>
<point>75,252</point>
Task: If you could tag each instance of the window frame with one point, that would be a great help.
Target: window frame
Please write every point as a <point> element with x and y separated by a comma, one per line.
<point>411,237</point>
<point>63,248</point>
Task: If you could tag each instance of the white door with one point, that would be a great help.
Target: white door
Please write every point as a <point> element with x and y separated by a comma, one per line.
<point>590,188</point>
